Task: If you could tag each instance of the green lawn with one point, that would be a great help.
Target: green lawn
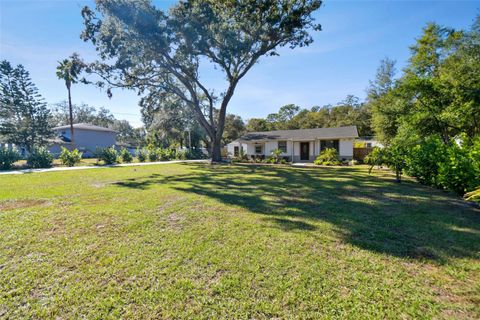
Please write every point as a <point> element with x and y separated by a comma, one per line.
<point>201,241</point>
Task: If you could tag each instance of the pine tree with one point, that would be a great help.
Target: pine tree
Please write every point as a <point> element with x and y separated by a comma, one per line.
<point>24,117</point>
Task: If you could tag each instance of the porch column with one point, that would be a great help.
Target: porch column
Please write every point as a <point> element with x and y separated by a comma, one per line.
<point>293,148</point>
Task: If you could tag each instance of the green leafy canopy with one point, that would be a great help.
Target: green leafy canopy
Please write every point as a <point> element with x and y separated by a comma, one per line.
<point>160,54</point>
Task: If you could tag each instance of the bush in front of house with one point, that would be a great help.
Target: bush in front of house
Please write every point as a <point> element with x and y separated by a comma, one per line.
<point>167,154</point>
<point>108,155</point>
<point>70,158</point>
<point>275,156</point>
<point>40,157</point>
<point>154,154</point>
<point>126,156</point>
<point>328,157</point>
<point>181,155</point>
<point>8,156</point>
<point>193,154</point>
<point>142,155</point>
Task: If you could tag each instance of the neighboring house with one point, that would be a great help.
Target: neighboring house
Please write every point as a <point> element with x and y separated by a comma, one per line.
<point>367,142</point>
<point>302,145</point>
<point>87,138</point>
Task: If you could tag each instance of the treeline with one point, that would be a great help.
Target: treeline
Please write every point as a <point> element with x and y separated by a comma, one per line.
<point>26,119</point>
<point>350,111</point>
<point>429,116</point>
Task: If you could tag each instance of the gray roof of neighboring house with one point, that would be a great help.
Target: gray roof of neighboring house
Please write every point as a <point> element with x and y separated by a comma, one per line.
<point>302,134</point>
<point>85,126</point>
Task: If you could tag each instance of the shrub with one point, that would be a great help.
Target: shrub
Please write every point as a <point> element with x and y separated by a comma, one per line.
<point>395,158</point>
<point>258,159</point>
<point>423,160</point>
<point>108,155</point>
<point>40,157</point>
<point>8,156</point>
<point>197,154</point>
<point>458,172</point>
<point>126,156</point>
<point>154,154</point>
<point>375,158</point>
<point>142,155</point>
<point>167,154</point>
<point>275,156</point>
<point>181,155</point>
<point>328,157</point>
<point>70,158</point>
<point>449,166</point>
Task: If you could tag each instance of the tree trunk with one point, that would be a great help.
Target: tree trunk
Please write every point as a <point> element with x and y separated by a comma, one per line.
<point>70,109</point>
<point>398,176</point>
<point>216,150</point>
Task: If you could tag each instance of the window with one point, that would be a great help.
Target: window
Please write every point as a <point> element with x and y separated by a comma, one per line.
<point>324,144</point>
<point>369,144</point>
<point>236,151</point>
<point>258,148</point>
<point>282,145</point>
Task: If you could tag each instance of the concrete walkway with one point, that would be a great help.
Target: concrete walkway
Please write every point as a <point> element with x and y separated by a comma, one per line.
<point>140,164</point>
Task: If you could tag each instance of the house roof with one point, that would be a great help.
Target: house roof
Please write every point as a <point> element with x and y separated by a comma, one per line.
<point>301,134</point>
<point>85,126</point>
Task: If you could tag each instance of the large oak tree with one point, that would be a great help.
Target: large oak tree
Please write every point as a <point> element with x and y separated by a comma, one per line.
<point>160,53</point>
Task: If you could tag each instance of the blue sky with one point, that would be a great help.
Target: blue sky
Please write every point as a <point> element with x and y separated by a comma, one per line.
<point>341,61</point>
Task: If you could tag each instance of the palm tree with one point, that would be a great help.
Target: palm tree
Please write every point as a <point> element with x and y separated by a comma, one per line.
<point>68,70</point>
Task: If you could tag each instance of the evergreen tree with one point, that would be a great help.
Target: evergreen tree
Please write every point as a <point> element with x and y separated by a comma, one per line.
<point>24,117</point>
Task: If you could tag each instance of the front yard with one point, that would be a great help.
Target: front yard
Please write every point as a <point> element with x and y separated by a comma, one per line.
<point>202,241</point>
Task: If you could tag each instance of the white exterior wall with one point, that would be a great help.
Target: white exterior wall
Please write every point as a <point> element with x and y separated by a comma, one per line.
<point>272,145</point>
<point>317,147</point>
<point>346,147</point>
<point>231,148</point>
<point>296,149</point>
<point>269,147</point>
<point>250,150</point>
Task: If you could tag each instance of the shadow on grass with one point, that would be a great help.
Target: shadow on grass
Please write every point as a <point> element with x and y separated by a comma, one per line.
<point>373,213</point>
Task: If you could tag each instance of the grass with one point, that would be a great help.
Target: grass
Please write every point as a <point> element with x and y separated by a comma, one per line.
<point>202,241</point>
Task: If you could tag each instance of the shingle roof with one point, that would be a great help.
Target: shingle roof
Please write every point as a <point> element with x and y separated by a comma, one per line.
<point>85,126</point>
<point>302,134</point>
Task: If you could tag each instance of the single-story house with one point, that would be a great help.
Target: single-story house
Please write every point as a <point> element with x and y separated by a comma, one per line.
<point>367,142</point>
<point>302,145</point>
<point>87,138</point>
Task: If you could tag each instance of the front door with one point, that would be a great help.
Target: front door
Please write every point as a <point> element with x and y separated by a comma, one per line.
<point>304,151</point>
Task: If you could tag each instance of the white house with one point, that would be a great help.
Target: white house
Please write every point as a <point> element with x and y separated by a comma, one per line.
<point>368,142</point>
<point>87,138</point>
<point>302,145</point>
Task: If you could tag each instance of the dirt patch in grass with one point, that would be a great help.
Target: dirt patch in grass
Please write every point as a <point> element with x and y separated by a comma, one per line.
<point>20,204</point>
<point>170,202</point>
<point>175,221</point>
